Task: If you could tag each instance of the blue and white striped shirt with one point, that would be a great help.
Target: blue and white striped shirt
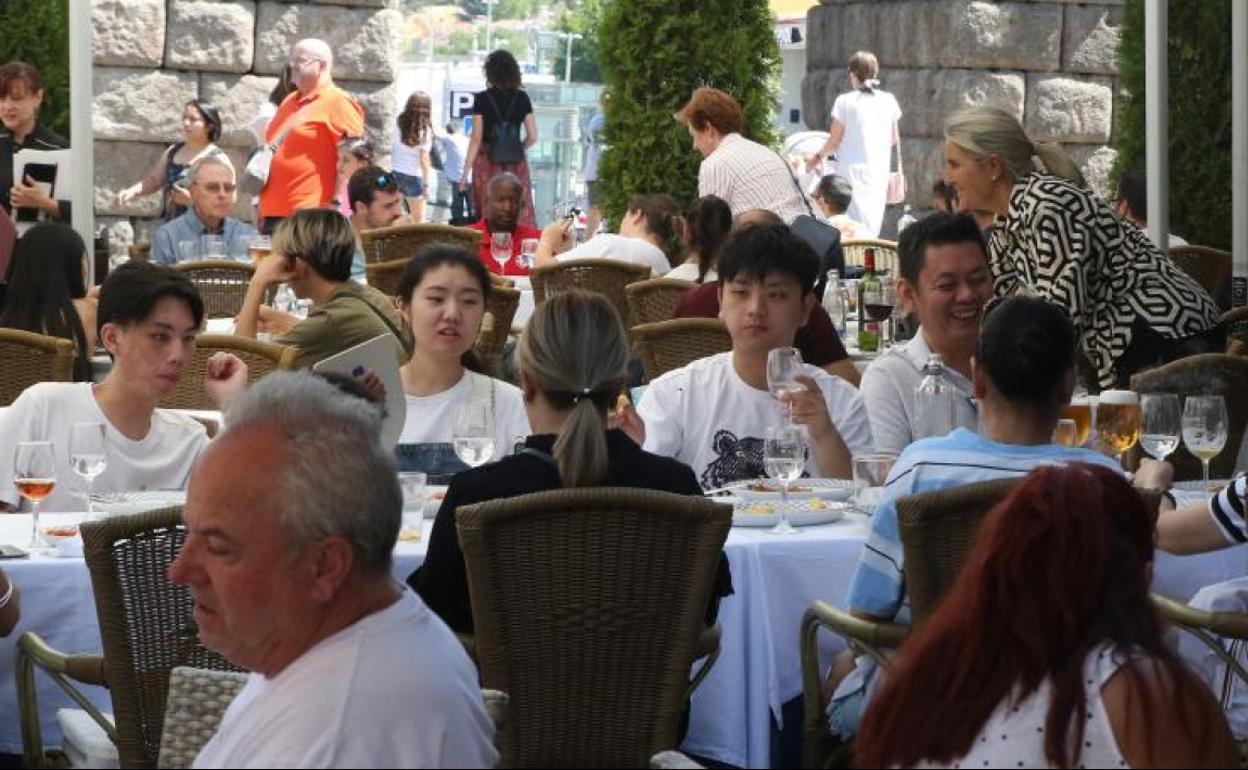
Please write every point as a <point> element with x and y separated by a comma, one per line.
<point>1227,510</point>
<point>928,465</point>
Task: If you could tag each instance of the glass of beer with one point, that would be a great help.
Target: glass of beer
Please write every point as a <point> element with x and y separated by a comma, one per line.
<point>1205,428</point>
<point>259,248</point>
<point>1080,410</point>
<point>1066,433</point>
<point>34,475</point>
<point>1118,420</point>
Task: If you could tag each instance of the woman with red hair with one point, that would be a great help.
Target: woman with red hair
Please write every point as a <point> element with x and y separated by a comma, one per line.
<point>1048,652</point>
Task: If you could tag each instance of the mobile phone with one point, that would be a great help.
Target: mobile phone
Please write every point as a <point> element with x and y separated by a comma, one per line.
<point>12,552</point>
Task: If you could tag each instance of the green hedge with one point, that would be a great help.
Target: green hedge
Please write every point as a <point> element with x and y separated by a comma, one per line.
<point>1200,114</point>
<point>37,31</point>
<point>653,54</point>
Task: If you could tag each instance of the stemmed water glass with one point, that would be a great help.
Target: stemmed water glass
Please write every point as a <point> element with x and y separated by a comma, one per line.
<point>472,433</point>
<point>528,252</point>
<point>34,475</point>
<point>88,454</point>
<point>1162,418</point>
<point>500,249</point>
<point>1205,428</point>
<point>784,365</point>
<point>784,458</point>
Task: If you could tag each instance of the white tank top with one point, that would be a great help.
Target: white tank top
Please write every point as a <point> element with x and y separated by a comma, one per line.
<point>1014,735</point>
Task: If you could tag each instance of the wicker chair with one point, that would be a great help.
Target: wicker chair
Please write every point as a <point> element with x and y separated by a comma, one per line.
<point>1210,267</point>
<point>1207,374</point>
<point>607,277</point>
<point>222,284</point>
<point>1236,324</point>
<point>1208,626</point>
<point>885,253</point>
<point>500,311</point>
<point>656,299</point>
<point>669,345</point>
<point>384,276</point>
<point>588,605</point>
<point>386,244</point>
<point>261,359</point>
<point>27,358</point>
<point>128,558</point>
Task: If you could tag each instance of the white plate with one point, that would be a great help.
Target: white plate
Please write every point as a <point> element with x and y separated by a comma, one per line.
<point>800,514</point>
<point>823,489</point>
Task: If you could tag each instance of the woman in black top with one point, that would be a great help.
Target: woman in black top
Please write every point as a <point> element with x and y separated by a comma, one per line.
<point>573,363</point>
<point>21,95</point>
<point>496,146</point>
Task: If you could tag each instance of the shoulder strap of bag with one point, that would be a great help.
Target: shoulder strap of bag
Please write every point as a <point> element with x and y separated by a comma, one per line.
<point>796,184</point>
<point>291,123</point>
<point>510,106</point>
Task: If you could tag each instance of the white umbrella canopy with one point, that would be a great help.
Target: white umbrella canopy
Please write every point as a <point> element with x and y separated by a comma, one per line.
<point>804,143</point>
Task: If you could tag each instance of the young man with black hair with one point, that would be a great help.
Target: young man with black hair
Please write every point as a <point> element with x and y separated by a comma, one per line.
<point>375,202</point>
<point>713,414</point>
<point>945,279</point>
<point>148,319</point>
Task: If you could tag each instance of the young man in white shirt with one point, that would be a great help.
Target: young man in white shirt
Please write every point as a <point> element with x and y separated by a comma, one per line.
<point>148,319</point>
<point>714,413</point>
<point>292,517</point>
<point>945,278</point>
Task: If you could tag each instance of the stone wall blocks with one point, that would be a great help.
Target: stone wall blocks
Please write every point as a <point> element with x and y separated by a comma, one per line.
<point>377,99</point>
<point>238,99</point>
<point>928,96</point>
<point>365,41</point>
<point>140,104</point>
<point>206,35</point>
<point>128,33</point>
<point>1067,109</point>
<point>1096,162</point>
<point>119,165</point>
<point>1090,39</point>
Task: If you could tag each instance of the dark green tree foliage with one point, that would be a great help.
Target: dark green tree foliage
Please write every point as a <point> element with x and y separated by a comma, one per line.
<point>37,31</point>
<point>1200,114</point>
<point>653,54</point>
<point>585,19</point>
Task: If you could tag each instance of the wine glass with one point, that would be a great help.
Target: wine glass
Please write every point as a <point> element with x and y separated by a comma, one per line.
<point>1118,420</point>
<point>472,433</point>
<point>784,365</point>
<point>784,458</point>
<point>34,475</point>
<point>882,313</point>
<point>1162,421</point>
<point>1204,428</point>
<point>88,454</point>
<point>500,249</point>
<point>528,252</point>
<point>870,473</point>
<point>1066,433</point>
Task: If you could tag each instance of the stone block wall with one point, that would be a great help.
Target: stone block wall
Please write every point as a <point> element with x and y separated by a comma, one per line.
<point>152,56</point>
<point>1052,63</point>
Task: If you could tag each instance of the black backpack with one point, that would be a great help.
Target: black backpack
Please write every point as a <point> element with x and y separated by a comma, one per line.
<point>505,144</point>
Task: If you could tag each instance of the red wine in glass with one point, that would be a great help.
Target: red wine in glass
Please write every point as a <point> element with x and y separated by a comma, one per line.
<point>879,312</point>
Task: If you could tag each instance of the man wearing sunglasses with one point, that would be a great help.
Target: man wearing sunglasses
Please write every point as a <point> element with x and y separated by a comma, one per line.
<point>213,194</point>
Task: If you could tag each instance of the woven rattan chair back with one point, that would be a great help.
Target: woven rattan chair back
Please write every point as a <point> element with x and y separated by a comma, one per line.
<point>656,299</point>
<point>885,253</point>
<point>1210,267</point>
<point>1209,374</point>
<point>222,284</point>
<point>386,244</point>
<point>384,276</point>
<point>500,311</point>
<point>27,358</point>
<point>197,699</point>
<point>587,605</point>
<point>146,623</point>
<point>261,359</point>
<point>607,277</point>
<point>1236,324</point>
<point>669,345</point>
<point>937,532</point>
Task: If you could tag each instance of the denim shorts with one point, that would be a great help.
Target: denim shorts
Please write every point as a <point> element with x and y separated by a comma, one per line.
<point>410,186</point>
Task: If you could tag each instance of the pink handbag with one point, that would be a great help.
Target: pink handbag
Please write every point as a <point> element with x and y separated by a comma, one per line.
<point>896,182</point>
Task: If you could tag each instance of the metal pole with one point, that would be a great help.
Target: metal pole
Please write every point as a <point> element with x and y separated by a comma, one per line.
<point>489,25</point>
<point>567,66</point>
<point>1239,149</point>
<point>82,147</point>
<point>1156,125</point>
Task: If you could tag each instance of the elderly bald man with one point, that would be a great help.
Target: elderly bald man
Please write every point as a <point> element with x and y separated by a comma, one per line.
<point>309,123</point>
<point>291,517</point>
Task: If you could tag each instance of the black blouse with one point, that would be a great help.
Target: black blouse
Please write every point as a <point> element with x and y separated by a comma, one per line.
<point>42,138</point>
<point>514,106</point>
<point>442,581</point>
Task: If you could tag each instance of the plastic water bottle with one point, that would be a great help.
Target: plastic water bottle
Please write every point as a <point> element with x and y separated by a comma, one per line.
<point>905,220</point>
<point>834,302</point>
<point>933,401</point>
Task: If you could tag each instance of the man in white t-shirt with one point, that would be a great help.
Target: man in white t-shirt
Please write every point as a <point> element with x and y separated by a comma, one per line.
<point>149,316</point>
<point>292,516</point>
<point>946,279</point>
<point>714,413</point>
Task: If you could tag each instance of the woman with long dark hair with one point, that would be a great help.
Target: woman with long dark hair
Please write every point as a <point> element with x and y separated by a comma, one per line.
<point>496,146</point>
<point>413,138</point>
<point>1048,651</point>
<point>708,220</point>
<point>47,292</point>
<point>201,128</point>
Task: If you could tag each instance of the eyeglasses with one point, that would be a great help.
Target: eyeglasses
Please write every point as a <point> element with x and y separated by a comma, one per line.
<point>304,60</point>
<point>217,187</point>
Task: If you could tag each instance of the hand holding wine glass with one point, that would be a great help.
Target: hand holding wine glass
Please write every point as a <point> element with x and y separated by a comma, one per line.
<point>1205,428</point>
<point>1162,422</point>
<point>88,454</point>
<point>784,458</point>
<point>34,475</point>
<point>471,433</point>
<point>784,365</point>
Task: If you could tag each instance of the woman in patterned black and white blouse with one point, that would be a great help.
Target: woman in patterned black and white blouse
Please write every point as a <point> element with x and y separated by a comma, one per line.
<point>1134,308</point>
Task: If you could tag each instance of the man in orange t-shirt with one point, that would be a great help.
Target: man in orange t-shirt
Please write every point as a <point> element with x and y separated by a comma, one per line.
<point>504,199</point>
<point>304,170</point>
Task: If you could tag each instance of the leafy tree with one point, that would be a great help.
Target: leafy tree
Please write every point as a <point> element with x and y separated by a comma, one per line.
<point>37,31</point>
<point>583,19</point>
<point>653,54</point>
<point>1200,114</point>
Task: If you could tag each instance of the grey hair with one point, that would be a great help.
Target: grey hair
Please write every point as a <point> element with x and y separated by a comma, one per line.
<point>339,479</point>
<point>211,159</point>
<point>985,131</point>
<point>575,351</point>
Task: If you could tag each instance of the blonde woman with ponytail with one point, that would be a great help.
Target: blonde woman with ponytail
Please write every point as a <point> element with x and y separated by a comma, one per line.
<point>1132,308</point>
<point>573,361</point>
